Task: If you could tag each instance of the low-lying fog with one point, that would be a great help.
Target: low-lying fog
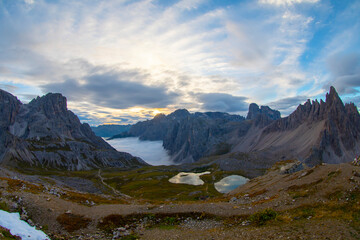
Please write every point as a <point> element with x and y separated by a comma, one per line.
<point>151,152</point>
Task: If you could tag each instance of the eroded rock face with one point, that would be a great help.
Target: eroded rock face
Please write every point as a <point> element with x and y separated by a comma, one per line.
<point>262,116</point>
<point>188,137</point>
<point>341,129</point>
<point>45,133</point>
<point>9,108</point>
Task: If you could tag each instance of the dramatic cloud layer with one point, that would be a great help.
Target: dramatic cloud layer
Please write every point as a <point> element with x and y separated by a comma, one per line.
<point>345,72</point>
<point>287,105</point>
<point>113,90</point>
<point>123,61</point>
<point>222,102</point>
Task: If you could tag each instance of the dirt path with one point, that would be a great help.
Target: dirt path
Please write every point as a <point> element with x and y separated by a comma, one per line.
<point>116,192</point>
<point>279,192</point>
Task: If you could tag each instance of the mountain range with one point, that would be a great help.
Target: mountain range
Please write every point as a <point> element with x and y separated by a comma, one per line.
<point>316,132</point>
<point>45,133</point>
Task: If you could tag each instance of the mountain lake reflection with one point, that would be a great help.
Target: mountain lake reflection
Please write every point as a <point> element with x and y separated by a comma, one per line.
<point>229,183</point>
<point>188,178</point>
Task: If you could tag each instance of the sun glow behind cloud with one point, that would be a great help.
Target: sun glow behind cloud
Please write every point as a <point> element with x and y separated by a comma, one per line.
<point>121,61</point>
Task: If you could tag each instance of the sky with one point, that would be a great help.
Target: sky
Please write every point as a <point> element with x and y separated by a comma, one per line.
<point>121,61</point>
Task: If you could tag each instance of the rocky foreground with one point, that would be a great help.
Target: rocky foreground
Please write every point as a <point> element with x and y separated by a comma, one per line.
<point>322,202</point>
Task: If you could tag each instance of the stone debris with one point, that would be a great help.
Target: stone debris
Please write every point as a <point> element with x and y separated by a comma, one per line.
<point>121,232</point>
<point>356,161</point>
<point>292,167</point>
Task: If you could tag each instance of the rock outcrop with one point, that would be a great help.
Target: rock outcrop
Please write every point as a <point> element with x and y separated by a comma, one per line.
<point>262,116</point>
<point>45,133</point>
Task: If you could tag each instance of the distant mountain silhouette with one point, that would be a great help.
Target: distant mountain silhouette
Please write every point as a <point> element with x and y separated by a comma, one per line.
<point>109,130</point>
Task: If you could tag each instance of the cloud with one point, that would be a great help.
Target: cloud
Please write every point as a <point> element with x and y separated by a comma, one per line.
<point>286,2</point>
<point>222,102</point>
<point>29,1</point>
<point>345,72</point>
<point>252,49</point>
<point>8,87</point>
<point>114,90</point>
<point>287,105</point>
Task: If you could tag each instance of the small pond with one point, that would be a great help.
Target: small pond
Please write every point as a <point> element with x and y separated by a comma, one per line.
<point>188,178</point>
<point>229,183</point>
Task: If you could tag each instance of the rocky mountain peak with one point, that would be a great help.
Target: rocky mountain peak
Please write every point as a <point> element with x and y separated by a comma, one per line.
<point>332,97</point>
<point>263,115</point>
<point>51,104</point>
<point>9,107</point>
<point>159,116</point>
<point>254,110</point>
<point>272,114</point>
<point>45,133</point>
<point>179,114</point>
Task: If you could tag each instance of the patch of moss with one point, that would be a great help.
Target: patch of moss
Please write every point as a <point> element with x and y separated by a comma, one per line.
<point>303,190</point>
<point>4,206</point>
<point>15,185</point>
<point>333,174</point>
<point>130,237</point>
<point>257,193</point>
<point>72,222</point>
<point>6,235</point>
<point>153,184</point>
<point>335,195</point>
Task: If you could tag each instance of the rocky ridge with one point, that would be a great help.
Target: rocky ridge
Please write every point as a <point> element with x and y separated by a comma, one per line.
<point>316,132</point>
<point>186,136</point>
<point>45,133</point>
<point>109,130</point>
<point>326,131</point>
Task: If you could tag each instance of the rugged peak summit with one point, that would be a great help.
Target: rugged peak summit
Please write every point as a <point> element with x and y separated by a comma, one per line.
<point>333,101</point>
<point>45,133</point>
<point>262,116</point>
<point>254,110</point>
<point>179,114</point>
<point>159,116</point>
<point>333,108</point>
<point>332,97</point>
<point>9,107</point>
<point>50,104</point>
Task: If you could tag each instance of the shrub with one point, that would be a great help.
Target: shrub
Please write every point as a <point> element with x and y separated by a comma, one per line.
<point>260,218</point>
<point>4,206</point>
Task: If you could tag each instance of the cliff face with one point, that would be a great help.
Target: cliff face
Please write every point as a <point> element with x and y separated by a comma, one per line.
<point>45,133</point>
<point>315,132</point>
<point>188,137</point>
<point>262,116</point>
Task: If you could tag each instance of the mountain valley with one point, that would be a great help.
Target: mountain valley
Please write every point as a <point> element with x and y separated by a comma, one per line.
<point>304,181</point>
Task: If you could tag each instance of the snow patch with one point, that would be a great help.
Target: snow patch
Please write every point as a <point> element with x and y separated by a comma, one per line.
<point>20,228</point>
